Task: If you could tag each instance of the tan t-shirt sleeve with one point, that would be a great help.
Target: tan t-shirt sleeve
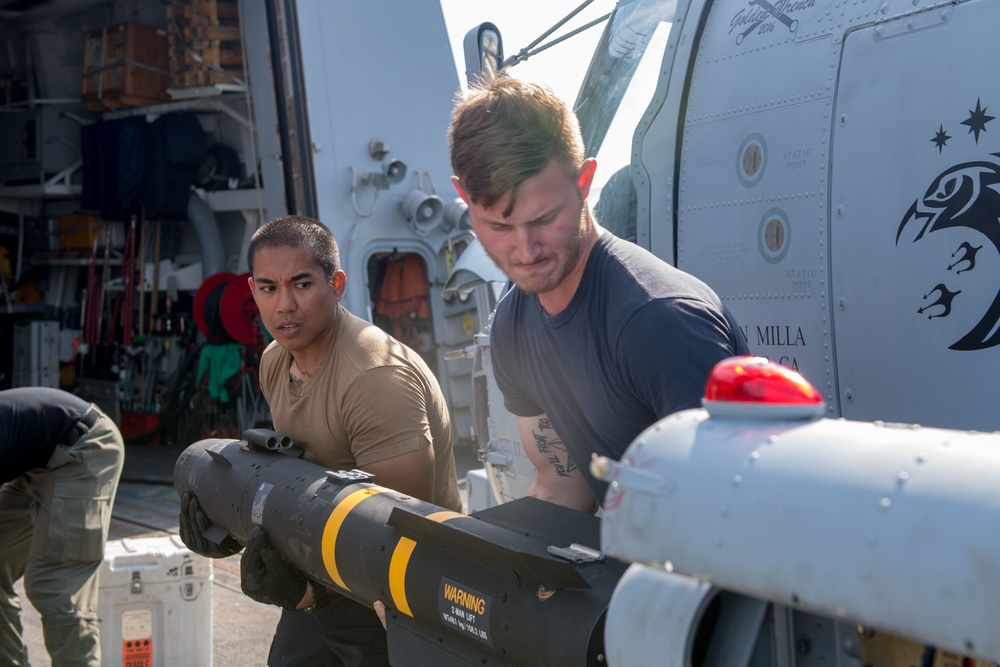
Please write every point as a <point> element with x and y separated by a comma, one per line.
<point>385,413</point>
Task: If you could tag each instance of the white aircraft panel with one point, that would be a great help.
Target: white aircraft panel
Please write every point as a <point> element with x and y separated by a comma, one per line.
<point>762,243</point>
<point>915,267</point>
<point>753,185</point>
<point>745,44</point>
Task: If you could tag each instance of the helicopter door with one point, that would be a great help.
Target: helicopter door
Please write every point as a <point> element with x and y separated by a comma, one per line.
<point>402,302</point>
<point>915,198</point>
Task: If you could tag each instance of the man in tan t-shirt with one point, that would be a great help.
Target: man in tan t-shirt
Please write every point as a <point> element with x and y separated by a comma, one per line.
<point>350,396</point>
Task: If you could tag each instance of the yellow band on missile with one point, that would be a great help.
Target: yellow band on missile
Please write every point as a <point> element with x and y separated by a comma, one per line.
<point>397,574</point>
<point>332,529</point>
<point>401,559</point>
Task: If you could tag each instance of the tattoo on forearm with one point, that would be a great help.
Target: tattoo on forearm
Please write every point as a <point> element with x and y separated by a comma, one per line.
<point>549,443</point>
<point>562,470</point>
<point>542,442</point>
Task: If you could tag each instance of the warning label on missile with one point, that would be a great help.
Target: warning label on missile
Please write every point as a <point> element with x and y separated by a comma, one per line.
<point>257,510</point>
<point>465,610</point>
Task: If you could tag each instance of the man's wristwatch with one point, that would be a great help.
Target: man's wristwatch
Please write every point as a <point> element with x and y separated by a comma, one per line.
<point>320,599</point>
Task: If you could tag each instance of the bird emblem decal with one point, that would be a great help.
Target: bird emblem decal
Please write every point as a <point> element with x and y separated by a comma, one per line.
<point>966,196</point>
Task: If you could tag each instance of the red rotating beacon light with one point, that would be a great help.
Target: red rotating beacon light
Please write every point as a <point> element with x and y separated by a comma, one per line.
<point>758,388</point>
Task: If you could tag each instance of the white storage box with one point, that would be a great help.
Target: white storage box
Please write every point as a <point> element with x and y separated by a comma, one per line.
<point>155,604</point>
<point>480,495</point>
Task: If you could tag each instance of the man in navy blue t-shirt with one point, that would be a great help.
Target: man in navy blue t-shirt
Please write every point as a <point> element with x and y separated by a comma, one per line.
<point>598,339</point>
<point>60,460</point>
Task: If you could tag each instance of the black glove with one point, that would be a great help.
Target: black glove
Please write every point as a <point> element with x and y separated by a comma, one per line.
<point>194,523</point>
<point>266,577</point>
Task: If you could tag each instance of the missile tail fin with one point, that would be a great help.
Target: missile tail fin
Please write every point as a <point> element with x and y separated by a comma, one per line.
<point>216,533</point>
<point>215,451</point>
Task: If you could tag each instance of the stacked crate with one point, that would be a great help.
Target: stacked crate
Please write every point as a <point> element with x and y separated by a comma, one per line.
<point>204,42</point>
<point>124,65</point>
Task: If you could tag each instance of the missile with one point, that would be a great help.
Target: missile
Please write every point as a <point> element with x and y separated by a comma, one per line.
<point>888,525</point>
<point>517,584</point>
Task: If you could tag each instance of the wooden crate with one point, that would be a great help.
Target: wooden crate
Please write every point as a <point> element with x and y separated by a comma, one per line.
<point>125,65</point>
<point>78,232</point>
<point>204,42</point>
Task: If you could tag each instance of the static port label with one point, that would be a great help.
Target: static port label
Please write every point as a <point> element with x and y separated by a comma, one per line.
<point>466,610</point>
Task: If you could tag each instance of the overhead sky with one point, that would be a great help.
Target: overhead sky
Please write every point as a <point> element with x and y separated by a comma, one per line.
<point>520,22</point>
<point>563,66</point>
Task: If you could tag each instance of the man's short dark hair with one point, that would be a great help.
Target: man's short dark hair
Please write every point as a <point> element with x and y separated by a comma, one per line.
<point>298,231</point>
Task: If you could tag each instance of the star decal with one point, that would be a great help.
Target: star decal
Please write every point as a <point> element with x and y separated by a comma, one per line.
<point>977,120</point>
<point>941,139</point>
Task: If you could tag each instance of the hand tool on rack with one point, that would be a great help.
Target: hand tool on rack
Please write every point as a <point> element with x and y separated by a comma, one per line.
<point>142,274</point>
<point>154,301</point>
<point>103,282</point>
<point>128,271</point>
